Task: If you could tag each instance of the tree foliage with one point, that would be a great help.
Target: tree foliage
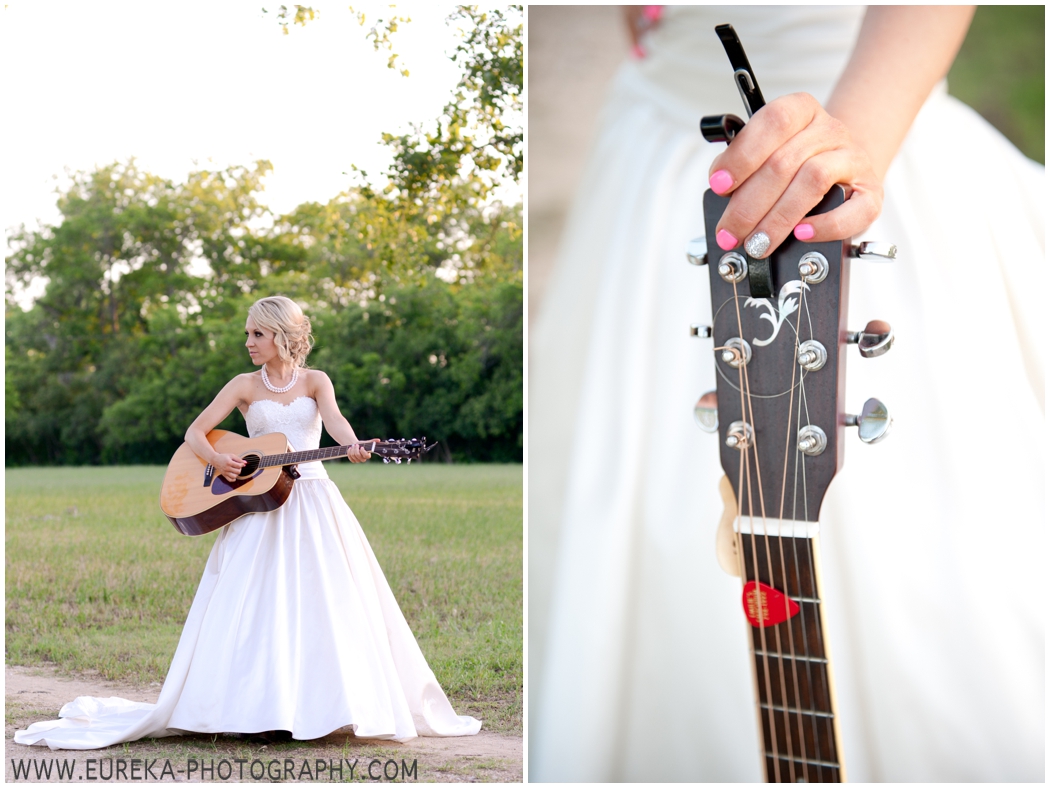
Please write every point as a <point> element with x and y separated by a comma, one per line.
<point>380,35</point>
<point>414,289</point>
<point>478,140</point>
<point>297,14</point>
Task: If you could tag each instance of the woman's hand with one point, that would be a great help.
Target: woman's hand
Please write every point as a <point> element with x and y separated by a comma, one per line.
<point>356,453</point>
<point>228,466</point>
<point>786,158</point>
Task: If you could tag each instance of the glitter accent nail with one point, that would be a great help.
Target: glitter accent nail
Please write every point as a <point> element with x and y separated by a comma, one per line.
<point>757,245</point>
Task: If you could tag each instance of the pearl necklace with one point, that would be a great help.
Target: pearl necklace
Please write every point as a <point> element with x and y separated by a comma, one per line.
<point>273,388</point>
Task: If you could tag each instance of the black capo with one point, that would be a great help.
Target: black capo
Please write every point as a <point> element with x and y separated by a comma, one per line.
<point>722,128</point>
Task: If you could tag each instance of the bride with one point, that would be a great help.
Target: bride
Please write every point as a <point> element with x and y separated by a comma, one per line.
<point>932,540</point>
<point>294,632</point>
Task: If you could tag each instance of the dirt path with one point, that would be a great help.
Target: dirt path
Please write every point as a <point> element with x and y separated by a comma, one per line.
<point>34,694</point>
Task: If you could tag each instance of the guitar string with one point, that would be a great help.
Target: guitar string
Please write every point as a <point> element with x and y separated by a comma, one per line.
<point>823,671</point>
<point>312,455</point>
<point>779,652</point>
<point>822,668</point>
<point>741,566</point>
<point>783,566</point>
<point>756,596</point>
<point>800,459</point>
<point>749,417</point>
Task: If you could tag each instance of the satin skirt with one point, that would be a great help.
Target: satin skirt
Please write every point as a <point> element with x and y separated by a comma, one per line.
<point>293,627</point>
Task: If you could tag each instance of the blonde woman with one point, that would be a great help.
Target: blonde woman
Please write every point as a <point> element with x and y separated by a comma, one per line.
<point>294,632</point>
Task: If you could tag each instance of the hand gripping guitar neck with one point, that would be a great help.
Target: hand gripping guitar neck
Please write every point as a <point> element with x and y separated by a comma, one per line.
<point>780,341</point>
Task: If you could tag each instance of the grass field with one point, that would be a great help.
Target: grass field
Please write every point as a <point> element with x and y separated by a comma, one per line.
<point>98,580</point>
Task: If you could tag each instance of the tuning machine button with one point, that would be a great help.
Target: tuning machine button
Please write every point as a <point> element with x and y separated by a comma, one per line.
<point>812,440</point>
<point>874,340</point>
<point>696,251</point>
<point>732,267</point>
<point>706,412</point>
<point>699,330</point>
<point>873,250</point>
<point>736,352</point>
<point>812,355</point>
<point>739,435</point>
<point>874,422</point>
<point>813,268</point>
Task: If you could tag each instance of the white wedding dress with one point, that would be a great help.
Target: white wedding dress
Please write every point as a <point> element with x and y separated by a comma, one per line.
<point>932,540</point>
<point>293,627</point>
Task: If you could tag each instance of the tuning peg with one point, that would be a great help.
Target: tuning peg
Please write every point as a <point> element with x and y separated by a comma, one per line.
<point>739,435</point>
<point>874,422</point>
<point>696,251</point>
<point>706,412</point>
<point>699,330</point>
<point>873,250</point>
<point>874,340</point>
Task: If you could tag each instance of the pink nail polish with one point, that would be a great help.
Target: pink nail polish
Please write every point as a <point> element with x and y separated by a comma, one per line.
<point>653,12</point>
<point>638,52</point>
<point>726,240</point>
<point>804,232</point>
<point>721,182</point>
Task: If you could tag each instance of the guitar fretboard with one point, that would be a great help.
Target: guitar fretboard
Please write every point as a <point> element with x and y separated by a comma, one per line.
<point>795,698</point>
<point>311,455</point>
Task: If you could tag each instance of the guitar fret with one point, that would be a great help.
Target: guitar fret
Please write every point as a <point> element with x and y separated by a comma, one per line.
<point>808,761</point>
<point>811,600</point>
<point>797,657</point>
<point>813,712</point>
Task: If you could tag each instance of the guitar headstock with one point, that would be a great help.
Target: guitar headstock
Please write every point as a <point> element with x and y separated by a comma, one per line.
<point>400,449</point>
<point>780,342</point>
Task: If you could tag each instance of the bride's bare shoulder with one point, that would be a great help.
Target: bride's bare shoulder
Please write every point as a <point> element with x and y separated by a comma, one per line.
<point>245,379</point>
<point>318,385</point>
<point>243,386</point>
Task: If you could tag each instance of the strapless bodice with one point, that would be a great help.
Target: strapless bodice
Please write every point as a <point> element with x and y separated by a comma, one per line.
<point>300,421</point>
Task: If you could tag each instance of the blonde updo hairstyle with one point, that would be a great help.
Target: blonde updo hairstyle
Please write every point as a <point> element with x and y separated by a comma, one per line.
<point>290,327</point>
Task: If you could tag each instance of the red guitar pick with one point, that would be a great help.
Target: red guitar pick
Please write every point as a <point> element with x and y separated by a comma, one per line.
<point>775,607</point>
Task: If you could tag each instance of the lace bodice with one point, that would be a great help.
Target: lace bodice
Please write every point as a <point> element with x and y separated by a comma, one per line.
<point>300,421</point>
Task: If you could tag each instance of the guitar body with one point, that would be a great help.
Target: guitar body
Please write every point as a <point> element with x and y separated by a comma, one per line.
<point>198,501</point>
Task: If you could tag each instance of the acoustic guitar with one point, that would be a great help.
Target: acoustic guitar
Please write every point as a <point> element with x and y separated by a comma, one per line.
<point>197,500</point>
<point>780,343</point>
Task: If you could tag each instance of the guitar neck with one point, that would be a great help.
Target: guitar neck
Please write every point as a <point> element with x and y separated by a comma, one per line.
<point>792,668</point>
<point>311,455</point>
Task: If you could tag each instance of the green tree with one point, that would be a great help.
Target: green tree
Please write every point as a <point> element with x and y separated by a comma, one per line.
<point>415,290</point>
